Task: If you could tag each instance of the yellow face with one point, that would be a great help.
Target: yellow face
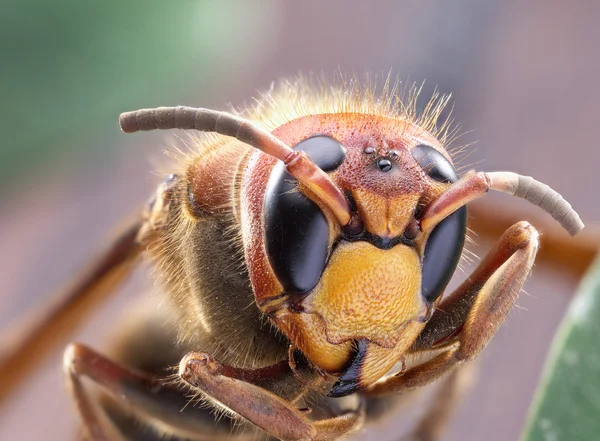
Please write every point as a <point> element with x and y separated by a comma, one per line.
<point>368,293</point>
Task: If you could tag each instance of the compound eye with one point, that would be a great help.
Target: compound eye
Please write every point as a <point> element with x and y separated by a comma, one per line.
<point>324,151</point>
<point>434,163</point>
<point>296,230</point>
<point>442,254</point>
<point>447,239</point>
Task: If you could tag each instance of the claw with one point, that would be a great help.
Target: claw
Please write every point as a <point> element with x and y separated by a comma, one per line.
<point>197,365</point>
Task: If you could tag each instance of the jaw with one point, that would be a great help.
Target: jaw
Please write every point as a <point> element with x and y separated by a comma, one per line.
<point>307,333</point>
<point>358,363</point>
<point>371,362</point>
<point>364,314</point>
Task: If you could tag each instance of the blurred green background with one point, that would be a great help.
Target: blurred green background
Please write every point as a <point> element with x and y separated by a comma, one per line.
<point>524,76</point>
<point>70,67</point>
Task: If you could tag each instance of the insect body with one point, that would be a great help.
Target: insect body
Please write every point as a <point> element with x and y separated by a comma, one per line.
<point>311,258</point>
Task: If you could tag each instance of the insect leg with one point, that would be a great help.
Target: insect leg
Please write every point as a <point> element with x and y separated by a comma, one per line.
<point>151,397</point>
<point>465,323</point>
<point>275,415</point>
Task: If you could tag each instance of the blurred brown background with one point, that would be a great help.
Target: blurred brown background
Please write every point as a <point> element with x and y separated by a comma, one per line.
<point>524,76</point>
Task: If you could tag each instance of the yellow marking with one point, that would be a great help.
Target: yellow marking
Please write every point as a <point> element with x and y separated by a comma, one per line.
<point>366,292</point>
<point>385,216</point>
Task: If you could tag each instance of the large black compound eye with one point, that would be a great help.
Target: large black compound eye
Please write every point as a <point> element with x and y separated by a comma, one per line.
<point>442,254</point>
<point>434,163</point>
<point>296,230</point>
<point>447,239</point>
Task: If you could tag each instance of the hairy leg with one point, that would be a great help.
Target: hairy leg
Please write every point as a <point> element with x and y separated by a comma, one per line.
<point>467,321</point>
<point>157,403</point>
<point>275,415</point>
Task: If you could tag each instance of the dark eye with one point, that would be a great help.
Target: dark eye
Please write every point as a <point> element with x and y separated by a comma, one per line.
<point>324,151</point>
<point>434,163</point>
<point>446,241</point>
<point>442,254</point>
<point>296,230</point>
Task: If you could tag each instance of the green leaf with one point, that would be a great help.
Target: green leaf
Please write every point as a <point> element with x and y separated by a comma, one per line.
<point>566,406</point>
<point>70,67</point>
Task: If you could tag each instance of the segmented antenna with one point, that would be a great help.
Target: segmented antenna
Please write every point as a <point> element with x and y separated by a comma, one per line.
<point>475,184</point>
<point>538,194</point>
<point>205,120</point>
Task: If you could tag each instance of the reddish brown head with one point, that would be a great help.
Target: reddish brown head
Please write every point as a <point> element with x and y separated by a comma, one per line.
<point>365,279</point>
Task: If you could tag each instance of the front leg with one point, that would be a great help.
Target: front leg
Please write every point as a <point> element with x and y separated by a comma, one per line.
<point>234,389</point>
<point>465,323</point>
<point>157,403</point>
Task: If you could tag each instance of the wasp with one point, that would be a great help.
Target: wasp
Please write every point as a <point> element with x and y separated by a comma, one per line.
<point>305,246</point>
